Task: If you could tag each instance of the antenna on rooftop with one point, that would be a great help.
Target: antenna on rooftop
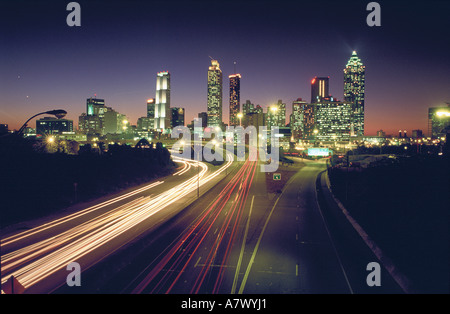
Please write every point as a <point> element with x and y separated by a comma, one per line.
<point>234,63</point>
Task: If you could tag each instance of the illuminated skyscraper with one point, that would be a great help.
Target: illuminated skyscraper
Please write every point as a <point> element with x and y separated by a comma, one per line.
<point>162,101</point>
<point>151,113</point>
<point>214,95</point>
<point>235,95</point>
<point>276,115</point>
<point>332,120</point>
<point>354,88</point>
<point>296,121</point>
<point>319,88</point>
<point>95,106</point>
<point>308,123</point>
<point>93,121</point>
<point>247,107</point>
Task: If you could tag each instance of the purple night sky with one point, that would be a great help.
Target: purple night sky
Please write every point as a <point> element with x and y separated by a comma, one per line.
<point>279,46</point>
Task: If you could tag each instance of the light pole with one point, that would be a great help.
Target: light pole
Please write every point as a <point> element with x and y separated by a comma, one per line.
<point>59,113</point>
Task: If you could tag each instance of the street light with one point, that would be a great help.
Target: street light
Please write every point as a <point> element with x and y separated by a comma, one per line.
<point>59,113</point>
<point>239,115</point>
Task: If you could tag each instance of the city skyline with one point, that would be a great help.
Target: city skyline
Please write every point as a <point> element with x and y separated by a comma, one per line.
<point>313,157</point>
<point>55,74</point>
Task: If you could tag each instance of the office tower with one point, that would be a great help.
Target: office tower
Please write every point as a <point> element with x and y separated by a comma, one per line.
<point>144,124</point>
<point>247,107</point>
<point>332,120</point>
<point>51,125</point>
<point>214,95</point>
<point>110,121</point>
<point>177,117</point>
<point>255,119</point>
<point>296,121</point>
<point>93,121</point>
<point>251,115</point>
<point>90,124</point>
<point>354,89</point>
<point>95,106</point>
<point>319,88</point>
<point>276,115</point>
<point>438,121</point>
<point>235,97</point>
<point>258,109</point>
<point>204,117</point>
<point>308,121</point>
<point>150,113</point>
<point>114,122</point>
<point>162,101</point>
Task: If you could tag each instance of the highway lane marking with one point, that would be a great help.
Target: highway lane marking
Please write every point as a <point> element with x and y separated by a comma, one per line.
<point>196,264</point>
<point>238,267</point>
<point>252,259</point>
<point>244,281</point>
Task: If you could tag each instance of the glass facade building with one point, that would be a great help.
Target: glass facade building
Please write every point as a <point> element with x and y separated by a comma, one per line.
<point>151,113</point>
<point>235,94</point>
<point>296,121</point>
<point>332,120</point>
<point>95,106</point>
<point>354,91</point>
<point>214,104</point>
<point>162,101</point>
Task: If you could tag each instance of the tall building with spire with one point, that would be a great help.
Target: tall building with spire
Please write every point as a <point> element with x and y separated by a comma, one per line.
<point>235,97</point>
<point>214,95</point>
<point>354,90</point>
<point>162,101</point>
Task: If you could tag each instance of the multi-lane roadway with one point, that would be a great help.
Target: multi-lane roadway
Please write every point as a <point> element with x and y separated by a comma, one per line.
<point>233,239</point>
<point>38,257</point>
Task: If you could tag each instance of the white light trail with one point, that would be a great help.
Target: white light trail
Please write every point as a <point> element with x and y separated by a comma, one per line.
<point>38,261</point>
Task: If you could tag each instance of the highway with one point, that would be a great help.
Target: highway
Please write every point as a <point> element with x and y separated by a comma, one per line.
<point>235,239</point>
<point>38,257</point>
